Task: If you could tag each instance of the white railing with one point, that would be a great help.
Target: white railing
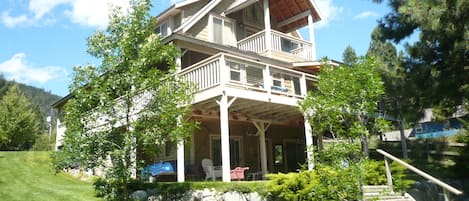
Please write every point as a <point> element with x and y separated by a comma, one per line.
<point>446,188</point>
<point>254,43</point>
<point>204,74</point>
<point>211,72</point>
<point>280,42</point>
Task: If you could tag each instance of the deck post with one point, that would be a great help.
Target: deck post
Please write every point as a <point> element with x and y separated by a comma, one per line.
<point>268,30</point>
<point>311,37</point>
<point>267,80</point>
<point>180,161</point>
<point>261,128</point>
<point>309,143</point>
<point>225,136</point>
<point>178,61</point>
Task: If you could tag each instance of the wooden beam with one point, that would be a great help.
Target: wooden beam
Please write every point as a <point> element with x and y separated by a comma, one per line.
<point>293,19</point>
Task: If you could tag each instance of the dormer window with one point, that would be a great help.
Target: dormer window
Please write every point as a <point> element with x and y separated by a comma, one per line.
<point>222,31</point>
<point>162,29</point>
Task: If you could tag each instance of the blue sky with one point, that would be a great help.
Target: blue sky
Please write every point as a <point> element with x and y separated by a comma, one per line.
<point>41,40</point>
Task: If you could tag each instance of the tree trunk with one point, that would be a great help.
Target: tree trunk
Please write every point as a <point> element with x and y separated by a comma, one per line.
<point>365,151</point>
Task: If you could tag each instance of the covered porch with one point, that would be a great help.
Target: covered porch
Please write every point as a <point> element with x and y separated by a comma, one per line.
<point>265,137</point>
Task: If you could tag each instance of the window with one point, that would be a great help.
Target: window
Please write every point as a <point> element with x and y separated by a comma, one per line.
<point>223,31</point>
<point>296,85</point>
<point>235,151</point>
<point>418,128</point>
<point>177,19</point>
<point>162,29</point>
<point>277,80</point>
<point>235,71</point>
<point>254,75</point>
<point>278,154</point>
<point>288,45</point>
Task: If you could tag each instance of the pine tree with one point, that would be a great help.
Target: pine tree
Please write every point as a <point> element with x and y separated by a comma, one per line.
<point>437,63</point>
<point>349,56</point>
<point>19,122</point>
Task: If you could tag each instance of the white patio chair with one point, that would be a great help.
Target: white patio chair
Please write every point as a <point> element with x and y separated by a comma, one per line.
<point>210,170</point>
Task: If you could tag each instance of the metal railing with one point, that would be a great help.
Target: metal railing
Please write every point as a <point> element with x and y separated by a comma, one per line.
<point>446,188</point>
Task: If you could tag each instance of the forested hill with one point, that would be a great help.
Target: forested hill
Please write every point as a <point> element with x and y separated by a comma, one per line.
<point>39,97</point>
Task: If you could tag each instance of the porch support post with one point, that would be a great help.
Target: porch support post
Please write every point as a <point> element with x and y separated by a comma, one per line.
<point>268,31</point>
<point>180,157</point>
<point>309,143</point>
<point>261,128</point>
<point>311,36</point>
<point>303,85</point>
<point>225,136</point>
<point>180,161</point>
<point>178,61</point>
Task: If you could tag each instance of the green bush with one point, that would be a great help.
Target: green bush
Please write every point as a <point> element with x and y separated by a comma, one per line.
<point>375,174</point>
<point>323,183</point>
<point>43,142</point>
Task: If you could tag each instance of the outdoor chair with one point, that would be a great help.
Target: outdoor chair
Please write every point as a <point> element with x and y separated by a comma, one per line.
<point>210,170</point>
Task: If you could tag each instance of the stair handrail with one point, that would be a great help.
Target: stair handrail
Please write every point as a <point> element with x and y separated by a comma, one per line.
<point>436,181</point>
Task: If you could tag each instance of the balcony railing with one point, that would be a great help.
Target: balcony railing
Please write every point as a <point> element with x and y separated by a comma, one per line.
<point>237,72</point>
<point>293,48</point>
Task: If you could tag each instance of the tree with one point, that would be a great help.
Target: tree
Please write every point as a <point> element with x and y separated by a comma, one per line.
<point>397,104</point>
<point>345,101</point>
<point>131,102</point>
<point>349,56</point>
<point>19,122</point>
<point>437,63</point>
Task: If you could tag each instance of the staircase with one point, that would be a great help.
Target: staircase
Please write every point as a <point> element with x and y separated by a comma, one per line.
<point>382,192</point>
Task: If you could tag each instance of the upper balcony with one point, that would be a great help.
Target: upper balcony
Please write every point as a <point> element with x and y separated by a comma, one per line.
<point>282,46</point>
<point>247,79</point>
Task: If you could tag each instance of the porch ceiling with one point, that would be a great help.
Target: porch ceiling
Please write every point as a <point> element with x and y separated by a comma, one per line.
<point>245,110</point>
<point>283,10</point>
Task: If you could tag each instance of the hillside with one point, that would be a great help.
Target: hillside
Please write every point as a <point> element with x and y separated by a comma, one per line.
<point>39,97</point>
<point>28,176</point>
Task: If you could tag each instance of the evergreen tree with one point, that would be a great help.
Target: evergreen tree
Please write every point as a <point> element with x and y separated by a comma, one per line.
<point>437,63</point>
<point>19,122</point>
<point>349,56</point>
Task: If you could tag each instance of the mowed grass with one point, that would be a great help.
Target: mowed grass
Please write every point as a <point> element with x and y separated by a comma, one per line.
<point>29,176</point>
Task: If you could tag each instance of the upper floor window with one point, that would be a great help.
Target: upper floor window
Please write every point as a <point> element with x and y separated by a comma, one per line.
<point>162,29</point>
<point>222,31</point>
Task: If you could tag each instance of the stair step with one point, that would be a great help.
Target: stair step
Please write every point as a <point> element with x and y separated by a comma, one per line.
<point>382,193</point>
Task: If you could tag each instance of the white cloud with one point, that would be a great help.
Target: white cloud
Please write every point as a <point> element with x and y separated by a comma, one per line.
<point>10,21</point>
<point>329,12</point>
<point>366,14</point>
<point>41,7</point>
<point>19,69</point>
<point>93,13</point>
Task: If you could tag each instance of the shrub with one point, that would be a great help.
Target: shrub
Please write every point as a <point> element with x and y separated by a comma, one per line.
<point>323,183</point>
<point>43,142</point>
<point>375,174</point>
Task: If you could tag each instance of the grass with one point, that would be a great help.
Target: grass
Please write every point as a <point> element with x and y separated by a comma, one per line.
<point>29,176</point>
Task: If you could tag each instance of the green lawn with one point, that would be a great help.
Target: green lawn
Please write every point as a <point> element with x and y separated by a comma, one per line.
<point>29,176</point>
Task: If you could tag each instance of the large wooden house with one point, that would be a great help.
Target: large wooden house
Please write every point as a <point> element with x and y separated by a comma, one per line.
<point>252,67</point>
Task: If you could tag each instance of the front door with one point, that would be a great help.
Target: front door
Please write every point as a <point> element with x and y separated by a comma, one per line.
<point>235,151</point>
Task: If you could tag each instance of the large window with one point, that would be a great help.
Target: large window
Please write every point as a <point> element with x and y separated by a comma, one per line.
<point>162,29</point>
<point>235,151</point>
<point>223,31</point>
